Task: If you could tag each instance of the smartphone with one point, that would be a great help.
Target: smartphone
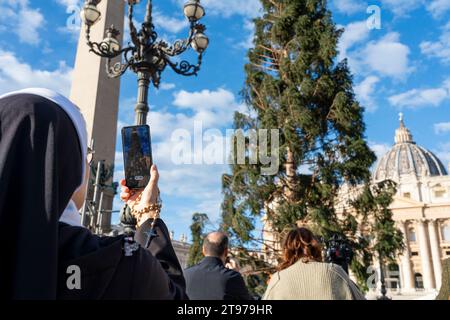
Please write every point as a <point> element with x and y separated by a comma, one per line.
<point>137,156</point>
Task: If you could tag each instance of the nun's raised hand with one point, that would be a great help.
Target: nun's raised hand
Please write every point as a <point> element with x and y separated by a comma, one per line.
<point>149,194</point>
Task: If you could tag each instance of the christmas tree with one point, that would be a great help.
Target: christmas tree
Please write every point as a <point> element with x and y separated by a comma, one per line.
<point>295,84</point>
<point>199,221</point>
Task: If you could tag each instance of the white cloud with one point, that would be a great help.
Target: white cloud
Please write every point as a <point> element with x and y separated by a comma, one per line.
<point>438,8</point>
<point>169,23</point>
<point>354,33</point>
<point>201,183</point>
<point>15,75</point>
<point>28,27</point>
<point>416,97</point>
<point>385,57</point>
<point>350,6</point>
<point>69,3</point>
<point>442,127</point>
<point>365,90</point>
<point>388,57</point>
<point>73,22</point>
<point>252,8</point>
<point>246,8</point>
<point>167,86</point>
<point>213,108</point>
<point>119,173</point>
<point>118,160</point>
<point>247,43</point>
<point>21,19</point>
<point>380,149</point>
<point>422,97</point>
<point>204,99</point>
<point>402,7</point>
<point>439,49</point>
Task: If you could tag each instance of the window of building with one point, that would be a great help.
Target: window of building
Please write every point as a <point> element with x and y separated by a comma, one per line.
<point>414,253</point>
<point>393,276</point>
<point>407,195</point>
<point>412,235</point>
<point>446,233</point>
<point>418,281</point>
<point>439,193</point>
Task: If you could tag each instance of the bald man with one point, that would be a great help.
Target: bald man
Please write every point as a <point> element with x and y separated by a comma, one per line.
<point>210,279</point>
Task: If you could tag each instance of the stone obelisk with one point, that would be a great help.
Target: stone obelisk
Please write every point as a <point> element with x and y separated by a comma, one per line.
<point>97,95</point>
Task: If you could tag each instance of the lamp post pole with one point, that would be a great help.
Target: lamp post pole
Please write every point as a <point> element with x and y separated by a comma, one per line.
<point>146,55</point>
<point>382,279</point>
<point>142,108</point>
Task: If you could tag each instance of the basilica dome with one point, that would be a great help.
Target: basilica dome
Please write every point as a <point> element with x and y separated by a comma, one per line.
<point>407,158</point>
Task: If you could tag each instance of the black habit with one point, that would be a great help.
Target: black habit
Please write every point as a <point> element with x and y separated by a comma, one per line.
<point>40,169</point>
<point>153,274</point>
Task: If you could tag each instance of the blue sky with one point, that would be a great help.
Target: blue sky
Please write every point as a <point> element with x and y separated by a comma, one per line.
<point>402,67</point>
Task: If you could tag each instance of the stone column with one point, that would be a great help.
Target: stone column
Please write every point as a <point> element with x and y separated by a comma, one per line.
<point>406,271</point>
<point>435,252</point>
<point>427,272</point>
<point>97,95</point>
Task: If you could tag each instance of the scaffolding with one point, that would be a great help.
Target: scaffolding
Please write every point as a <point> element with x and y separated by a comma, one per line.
<point>92,211</point>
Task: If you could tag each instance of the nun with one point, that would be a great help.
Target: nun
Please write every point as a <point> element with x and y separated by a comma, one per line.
<point>46,253</point>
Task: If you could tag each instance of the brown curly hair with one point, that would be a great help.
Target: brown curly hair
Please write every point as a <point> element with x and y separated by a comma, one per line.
<point>300,243</point>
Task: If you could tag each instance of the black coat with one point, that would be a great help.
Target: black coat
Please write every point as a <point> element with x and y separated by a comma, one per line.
<point>210,280</point>
<point>107,273</point>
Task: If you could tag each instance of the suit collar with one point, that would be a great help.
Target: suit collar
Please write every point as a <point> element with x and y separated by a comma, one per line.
<point>212,260</point>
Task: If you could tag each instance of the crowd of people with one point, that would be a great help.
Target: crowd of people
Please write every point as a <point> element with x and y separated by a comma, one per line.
<point>43,178</point>
<point>302,275</point>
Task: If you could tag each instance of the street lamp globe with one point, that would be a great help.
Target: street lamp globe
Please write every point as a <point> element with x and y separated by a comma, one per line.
<point>200,42</point>
<point>90,14</point>
<point>111,41</point>
<point>193,10</point>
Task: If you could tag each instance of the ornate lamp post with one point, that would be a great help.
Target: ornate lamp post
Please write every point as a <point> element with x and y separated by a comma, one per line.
<point>146,55</point>
<point>383,290</point>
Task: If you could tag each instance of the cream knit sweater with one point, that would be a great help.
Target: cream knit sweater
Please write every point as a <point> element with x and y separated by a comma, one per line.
<point>312,281</point>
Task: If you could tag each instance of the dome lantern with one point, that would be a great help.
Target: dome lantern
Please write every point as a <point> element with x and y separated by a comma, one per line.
<point>402,134</point>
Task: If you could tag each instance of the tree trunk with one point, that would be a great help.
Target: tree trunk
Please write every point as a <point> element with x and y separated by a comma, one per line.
<point>291,168</point>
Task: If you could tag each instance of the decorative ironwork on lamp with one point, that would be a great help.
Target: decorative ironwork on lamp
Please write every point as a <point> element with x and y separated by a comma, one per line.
<point>146,55</point>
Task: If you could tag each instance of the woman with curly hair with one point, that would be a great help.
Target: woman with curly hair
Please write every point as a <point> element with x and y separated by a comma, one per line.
<point>303,276</point>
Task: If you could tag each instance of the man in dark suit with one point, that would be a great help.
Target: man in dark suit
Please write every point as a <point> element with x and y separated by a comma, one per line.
<point>210,279</point>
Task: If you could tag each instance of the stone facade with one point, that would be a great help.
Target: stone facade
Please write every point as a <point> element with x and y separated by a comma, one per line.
<point>181,248</point>
<point>421,210</point>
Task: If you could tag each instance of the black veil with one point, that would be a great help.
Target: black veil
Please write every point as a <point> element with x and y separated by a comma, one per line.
<point>40,169</point>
